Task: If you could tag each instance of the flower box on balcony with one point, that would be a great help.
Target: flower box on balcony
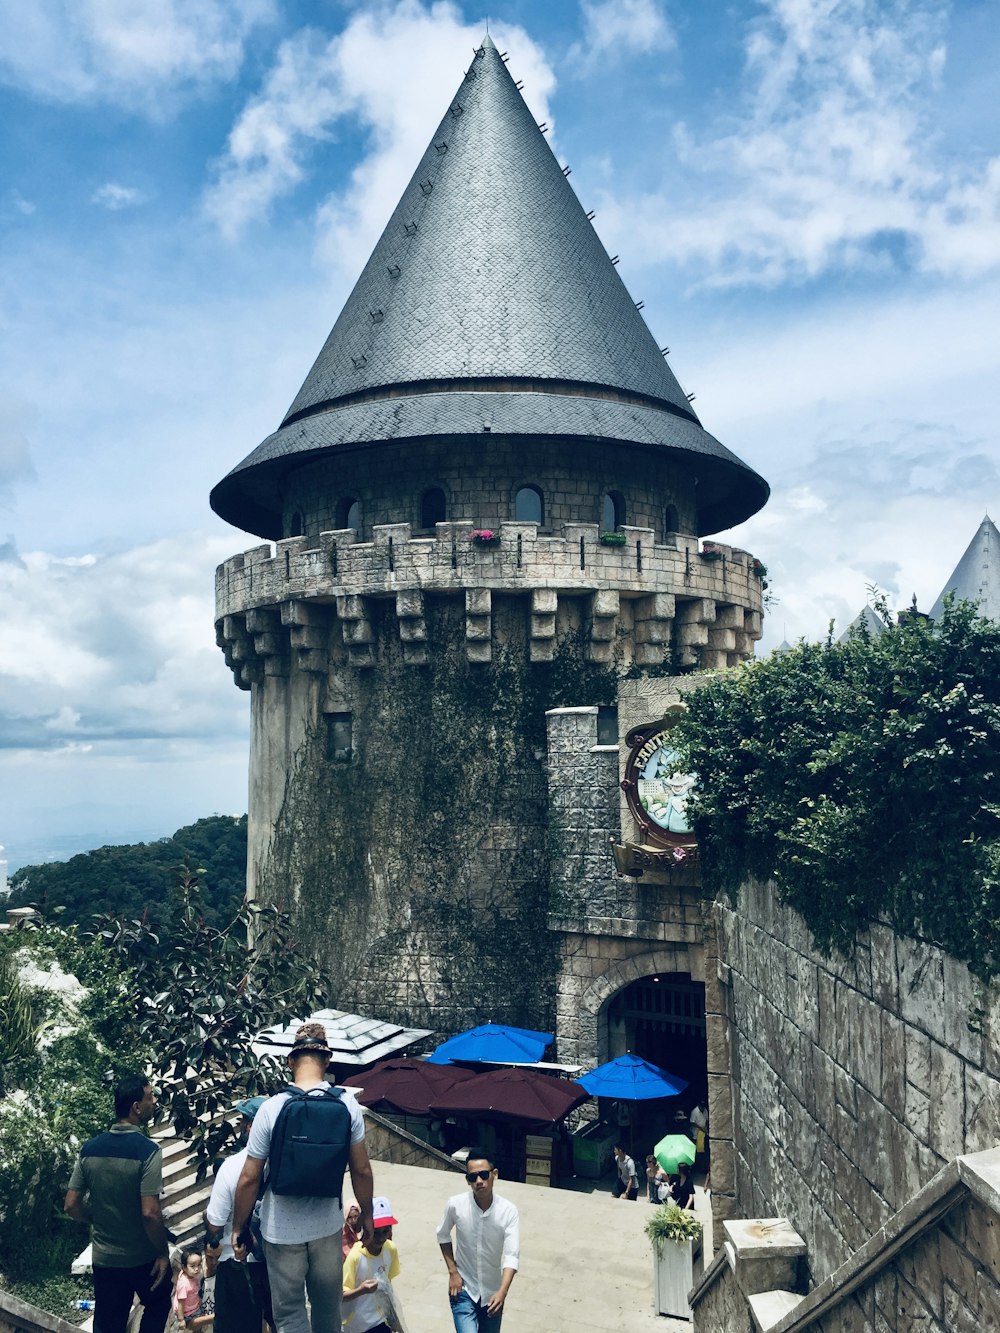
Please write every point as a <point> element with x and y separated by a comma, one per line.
<point>613,538</point>
<point>484,537</point>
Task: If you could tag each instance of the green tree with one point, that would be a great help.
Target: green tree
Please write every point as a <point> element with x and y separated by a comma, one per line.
<point>136,880</point>
<point>864,779</point>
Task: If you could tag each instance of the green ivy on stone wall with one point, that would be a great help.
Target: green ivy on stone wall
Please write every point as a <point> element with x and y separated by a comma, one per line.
<point>431,843</point>
<point>864,779</point>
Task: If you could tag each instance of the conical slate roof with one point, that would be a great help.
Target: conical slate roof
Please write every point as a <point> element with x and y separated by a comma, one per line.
<point>488,298</point>
<point>976,577</point>
<point>873,624</point>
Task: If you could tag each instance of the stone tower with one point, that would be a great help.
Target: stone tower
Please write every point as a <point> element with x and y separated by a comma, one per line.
<point>489,373</point>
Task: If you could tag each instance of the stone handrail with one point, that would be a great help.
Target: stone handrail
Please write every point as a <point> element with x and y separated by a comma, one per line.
<point>974,1176</point>
<point>17,1316</point>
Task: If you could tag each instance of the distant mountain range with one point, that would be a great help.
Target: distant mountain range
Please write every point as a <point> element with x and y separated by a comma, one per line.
<point>137,878</point>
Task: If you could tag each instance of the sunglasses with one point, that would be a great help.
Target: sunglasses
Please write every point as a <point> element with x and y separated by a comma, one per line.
<point>472,1176</point>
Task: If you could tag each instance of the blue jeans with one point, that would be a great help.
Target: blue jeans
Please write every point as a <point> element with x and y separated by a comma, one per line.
<point>470,1316</point>
<point>316,1267</point>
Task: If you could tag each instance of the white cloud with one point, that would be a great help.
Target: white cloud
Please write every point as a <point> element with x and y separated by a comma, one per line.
<point>391,71</point>
<point>617,28</point>
<point>829,158</point>
<point>129,52</point>
<point>101,649</point>
<point>115,197</point>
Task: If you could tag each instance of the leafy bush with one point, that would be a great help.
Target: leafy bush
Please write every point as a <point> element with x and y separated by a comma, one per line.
<point>864,779</point>
<point>674,1224</point>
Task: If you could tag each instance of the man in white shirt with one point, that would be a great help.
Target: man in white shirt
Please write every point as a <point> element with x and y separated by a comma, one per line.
<point>484,1258</point>
<point>242,1296</point>
<point>303,1234</point>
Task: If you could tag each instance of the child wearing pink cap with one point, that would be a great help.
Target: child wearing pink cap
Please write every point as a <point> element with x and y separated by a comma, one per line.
<point>368,1305</point>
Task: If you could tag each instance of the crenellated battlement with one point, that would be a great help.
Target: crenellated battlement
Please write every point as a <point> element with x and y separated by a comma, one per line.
<point>283,601</point>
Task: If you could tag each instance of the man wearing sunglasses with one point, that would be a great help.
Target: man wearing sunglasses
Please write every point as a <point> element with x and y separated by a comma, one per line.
<point>483,1260</point>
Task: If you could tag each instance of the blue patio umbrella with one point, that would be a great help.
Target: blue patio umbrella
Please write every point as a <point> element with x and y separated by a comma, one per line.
<point>494,1043</point>
<point>631,1079</point>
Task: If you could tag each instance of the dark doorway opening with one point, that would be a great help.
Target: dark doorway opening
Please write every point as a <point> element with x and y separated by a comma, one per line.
<point>661,1018</point>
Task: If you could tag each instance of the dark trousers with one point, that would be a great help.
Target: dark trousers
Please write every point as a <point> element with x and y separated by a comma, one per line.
<point>241,1297</point>
<point>114,1289</point>
<point>630,1191</point>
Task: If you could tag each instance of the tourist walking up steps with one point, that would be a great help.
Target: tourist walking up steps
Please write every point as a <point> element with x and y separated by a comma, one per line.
<point>306,1135</point>
<point>484,1258</point>
<point>115,1186</point>
<point>242,1295</point>
<point>626,1181</point>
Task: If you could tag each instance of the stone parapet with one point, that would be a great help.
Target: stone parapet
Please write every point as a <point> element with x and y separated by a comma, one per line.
<point>665,598</point>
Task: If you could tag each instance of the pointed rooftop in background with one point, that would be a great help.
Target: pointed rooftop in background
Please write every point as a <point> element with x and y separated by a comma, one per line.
<point>489,299</point>
<point>873,624</point>
<point>976,577</point>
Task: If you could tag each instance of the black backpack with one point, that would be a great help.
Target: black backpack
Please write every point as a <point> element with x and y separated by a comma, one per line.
<point>310,1145</point>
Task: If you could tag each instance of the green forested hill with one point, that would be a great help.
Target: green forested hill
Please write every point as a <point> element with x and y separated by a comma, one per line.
<point>141,877</point>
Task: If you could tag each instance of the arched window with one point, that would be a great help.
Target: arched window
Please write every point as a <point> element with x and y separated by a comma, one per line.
<point>349,514</point>
<point>612,512</point>
<point>295,526</point>
<point>529,507</point>
<point>671,521</point>
<point>433,507</point>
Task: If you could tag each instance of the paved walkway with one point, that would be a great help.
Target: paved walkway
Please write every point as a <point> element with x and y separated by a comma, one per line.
<point>585,1262</point>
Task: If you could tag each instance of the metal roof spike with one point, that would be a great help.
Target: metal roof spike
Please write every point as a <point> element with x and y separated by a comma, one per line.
<point>690,397</point>
<point>639,304</point>
<point>543,125</point>
<point>590,216</point>
<point>394,270</point>
<point>427,186</point>
<point>410,228</point>
<point>377,316</point>
<point>442,148</point>
<point>664,351</point>
<point>614,259</point>
<point>457,109</point>
<point>519,85</point>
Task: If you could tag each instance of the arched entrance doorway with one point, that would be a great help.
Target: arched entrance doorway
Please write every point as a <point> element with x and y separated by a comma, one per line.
<point>662,1018</point>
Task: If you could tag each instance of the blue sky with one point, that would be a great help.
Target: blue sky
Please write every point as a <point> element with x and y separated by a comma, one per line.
<point>804,193</point>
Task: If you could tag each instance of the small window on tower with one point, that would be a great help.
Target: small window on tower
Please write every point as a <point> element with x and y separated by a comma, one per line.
<point>433,507</point>
<point>671,525</point>
<point>607,725</point>
<point>339,738</point>
<point>529,506</point>
<point>295,526</point>
<point>348,514</point>
<point>612,512</point>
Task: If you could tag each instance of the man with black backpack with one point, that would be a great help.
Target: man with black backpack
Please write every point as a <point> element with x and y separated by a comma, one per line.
<point>300,1142</point>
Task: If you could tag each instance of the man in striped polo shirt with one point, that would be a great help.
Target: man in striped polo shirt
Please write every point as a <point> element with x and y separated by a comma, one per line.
<point>115,1186</point>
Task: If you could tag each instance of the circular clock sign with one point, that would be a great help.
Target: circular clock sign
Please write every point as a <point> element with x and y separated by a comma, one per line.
<point>655,787</point>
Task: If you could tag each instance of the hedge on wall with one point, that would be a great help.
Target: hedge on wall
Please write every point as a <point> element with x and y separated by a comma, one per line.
<point>864,779</point>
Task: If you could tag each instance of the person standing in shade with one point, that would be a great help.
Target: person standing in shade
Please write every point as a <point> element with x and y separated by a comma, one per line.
<point>303,1233</point>
<point>627,1182</point>
<point>115,1186</point>
<point>485,1255</point>
<point>242,1295</point>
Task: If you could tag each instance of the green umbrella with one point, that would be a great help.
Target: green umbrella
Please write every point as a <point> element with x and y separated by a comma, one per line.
<point>671,1150</point>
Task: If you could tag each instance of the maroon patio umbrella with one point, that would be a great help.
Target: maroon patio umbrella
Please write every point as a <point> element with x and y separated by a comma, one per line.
<point>406,1085</point>
<point>512,1094</point>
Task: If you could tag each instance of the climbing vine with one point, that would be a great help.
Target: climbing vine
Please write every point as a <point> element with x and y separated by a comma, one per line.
<point>431,845</point>
<point>864,779</point>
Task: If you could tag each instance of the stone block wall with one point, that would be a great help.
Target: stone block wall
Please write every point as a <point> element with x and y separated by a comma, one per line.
<point>480,477</point>
<point>855,1079</point>
<point>277,604</point>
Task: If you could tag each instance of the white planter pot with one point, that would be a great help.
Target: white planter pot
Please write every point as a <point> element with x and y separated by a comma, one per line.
<point>673,1277</point>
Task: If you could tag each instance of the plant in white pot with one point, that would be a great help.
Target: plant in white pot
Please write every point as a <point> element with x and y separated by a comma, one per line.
<point>676,1237</point>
